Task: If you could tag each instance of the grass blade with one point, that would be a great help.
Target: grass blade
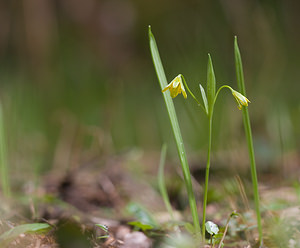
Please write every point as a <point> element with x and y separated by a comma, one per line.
<point>161,180</point>
<point>5,184</point>
<point>247,126</point>
<point>176,131</point>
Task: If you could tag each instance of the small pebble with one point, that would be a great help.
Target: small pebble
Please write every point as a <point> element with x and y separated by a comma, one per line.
<point>136,240</point>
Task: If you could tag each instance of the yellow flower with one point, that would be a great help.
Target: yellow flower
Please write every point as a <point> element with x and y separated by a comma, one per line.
<point>176,87</point>
<point>241,100</point>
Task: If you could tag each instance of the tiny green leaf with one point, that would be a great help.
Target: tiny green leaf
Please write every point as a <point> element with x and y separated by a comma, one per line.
<point>103,227</point>
<point>103,237</point>
<point>218,236</point>
<point>144,227</point>
<point>204,98</point>
<point>234,214</point>
<point>211,228</point>
<point>141,214</point>
<point>211,84</point>
<point>217,240</point>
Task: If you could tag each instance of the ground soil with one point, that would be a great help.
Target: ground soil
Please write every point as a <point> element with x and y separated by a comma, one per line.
<point>75,200</point>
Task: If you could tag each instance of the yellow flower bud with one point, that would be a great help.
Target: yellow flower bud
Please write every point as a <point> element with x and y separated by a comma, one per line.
<point>176,87</point>
<point>241,100</point>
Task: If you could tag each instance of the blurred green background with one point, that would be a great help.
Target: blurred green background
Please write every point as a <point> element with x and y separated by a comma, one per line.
<point>76,78</point>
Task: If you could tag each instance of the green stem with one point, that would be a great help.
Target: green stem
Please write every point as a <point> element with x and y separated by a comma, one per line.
<point>247,127</point>
<point>210,117</point>
<point>207,175</point>
<point>222,87</point>
<point>191,93</point>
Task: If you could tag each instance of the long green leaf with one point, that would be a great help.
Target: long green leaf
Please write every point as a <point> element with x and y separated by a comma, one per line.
<point>176,130</point>
<point>248,132</point>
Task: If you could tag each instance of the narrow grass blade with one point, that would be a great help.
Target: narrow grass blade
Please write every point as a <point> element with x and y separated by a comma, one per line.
<point>247,126</point>
<point>176,131</point>
<point>211,85</point>
<point>5,184</point>
<point>161,180</point>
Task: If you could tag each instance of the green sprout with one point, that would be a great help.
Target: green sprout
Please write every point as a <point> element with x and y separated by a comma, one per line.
<point>212,229</point>
<point>104,228</point>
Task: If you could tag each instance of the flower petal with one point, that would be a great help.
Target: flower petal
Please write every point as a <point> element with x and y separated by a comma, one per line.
<point>176,87</point>
<point>167,87</point>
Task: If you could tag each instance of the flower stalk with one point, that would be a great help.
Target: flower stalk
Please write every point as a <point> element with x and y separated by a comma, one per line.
<point>207,175</point>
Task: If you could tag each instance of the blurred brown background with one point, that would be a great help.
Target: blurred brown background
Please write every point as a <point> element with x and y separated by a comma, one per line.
<point>77,76</point>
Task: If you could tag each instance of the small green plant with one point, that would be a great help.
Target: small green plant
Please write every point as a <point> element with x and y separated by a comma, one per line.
<point>213,230</point>
<point>209,100</point>
<point>179,86</point>
<point>216,237</point>
<point>221,242</point>
<point>104,228</point>
<point>144,220</point>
